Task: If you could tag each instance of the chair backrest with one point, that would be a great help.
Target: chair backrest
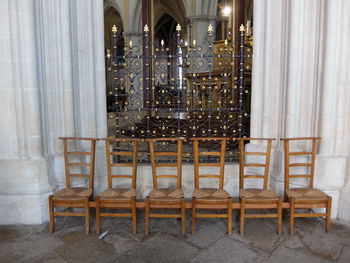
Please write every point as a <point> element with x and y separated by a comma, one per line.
<point>264,166</point>
<point>90,165</point>
<point>110,153</point>
<point>155,163</point>
<point>220,163</point>
<point>311,153</point>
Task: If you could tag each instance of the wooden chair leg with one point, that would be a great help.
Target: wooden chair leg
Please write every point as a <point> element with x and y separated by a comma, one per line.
<point>193,222</point>
<point>183,217</point>
<point>291,216</point>
<point>98,215</point>
<point>229,216</point>
<point>87,215</point>
<point>133,213</point>
<point>279,213</point>
<point>328,211</point>
<point>52,211</point>
<point>242,217</point>
<point>147,215</point>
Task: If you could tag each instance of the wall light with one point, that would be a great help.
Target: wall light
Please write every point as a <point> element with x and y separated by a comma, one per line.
<point>226,11</point>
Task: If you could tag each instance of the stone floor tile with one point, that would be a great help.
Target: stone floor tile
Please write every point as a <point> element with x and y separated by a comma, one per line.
<point>293,242</point>
<point>341,233</point>
<point>165,243</point>
<point>87,249</point>
<point>344,256</point>
<point>164,248</point>
<point>208,232</point>
<point>286,255</point>
<point>51,257</point>
<point>26,249</point>
<point>122,242</point>
<point>321,243</point>
<point>261,233</point>
<point>229,250</point>
<point>126,258</point>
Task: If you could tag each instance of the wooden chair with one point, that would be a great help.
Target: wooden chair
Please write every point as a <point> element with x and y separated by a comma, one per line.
<point>210,198</point>
<point>259,198</point>
<point>168,198</point>
<point>119,198</point>
<point>304,197</point>
<point>72,197</point>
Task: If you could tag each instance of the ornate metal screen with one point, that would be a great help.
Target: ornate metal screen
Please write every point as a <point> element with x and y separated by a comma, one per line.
<point>179,89</point>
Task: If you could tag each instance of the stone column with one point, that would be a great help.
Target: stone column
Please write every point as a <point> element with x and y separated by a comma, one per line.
<point>52,67</point>
<point>299,83</point>
<point>335,96</point>
<point>23,168</point>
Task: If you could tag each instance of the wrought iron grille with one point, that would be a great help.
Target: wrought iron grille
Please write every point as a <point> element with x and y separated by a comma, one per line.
<point>179,89</point>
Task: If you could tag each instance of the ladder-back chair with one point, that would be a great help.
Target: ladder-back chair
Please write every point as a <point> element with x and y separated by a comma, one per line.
<point>210,198</point>
<point>260,198</point>
<point>172,198</point>
<point>306,197</point>
<point>72,197</point>
<point>119,198</point>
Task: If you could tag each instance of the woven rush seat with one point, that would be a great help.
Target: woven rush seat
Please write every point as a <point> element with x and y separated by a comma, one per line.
<point>166,194</point>
<point>306,194</point>
<point>210,194</point>
<point>259,194</point>
<point>72,193</point>
<point>118,194</point>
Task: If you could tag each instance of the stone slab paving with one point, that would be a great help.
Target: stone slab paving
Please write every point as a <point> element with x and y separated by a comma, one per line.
<point>165,243</point>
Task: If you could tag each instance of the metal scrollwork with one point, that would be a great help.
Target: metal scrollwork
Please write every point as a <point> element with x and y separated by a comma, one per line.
<point>179,89</point>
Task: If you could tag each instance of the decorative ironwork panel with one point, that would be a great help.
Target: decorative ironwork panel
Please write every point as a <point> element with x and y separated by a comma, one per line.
<point>179,89</point>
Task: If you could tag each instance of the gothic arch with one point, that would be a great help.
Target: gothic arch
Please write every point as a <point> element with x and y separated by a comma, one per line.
<point>114,4</point>
<point>175,9</point>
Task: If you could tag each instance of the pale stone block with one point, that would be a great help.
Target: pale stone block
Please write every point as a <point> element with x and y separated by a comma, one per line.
<point>8,124</point>
<point>344,205</point>
<point>23,209</point>
<point>23,177</point>
<point>330,172</point>
<point>335,202</point>
<point>6,103</point>
<point>6,74</point>
<point>5,45</point>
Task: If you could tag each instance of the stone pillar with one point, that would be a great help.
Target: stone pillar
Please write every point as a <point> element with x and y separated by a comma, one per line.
<point>23,169</point>
<point>335,96</point>
<point>52,67</point>
<point>300,87</point>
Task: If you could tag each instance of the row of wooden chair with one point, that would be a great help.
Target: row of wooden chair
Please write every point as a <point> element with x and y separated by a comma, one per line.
<point>202,198</point>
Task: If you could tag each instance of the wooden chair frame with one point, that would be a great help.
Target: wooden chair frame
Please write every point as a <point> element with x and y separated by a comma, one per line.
<point>115,203</point>
<point>296,203</point>
<point>84,202</point>
<point>203,204</point>
<point>163,204</point>
<point>263,204</point>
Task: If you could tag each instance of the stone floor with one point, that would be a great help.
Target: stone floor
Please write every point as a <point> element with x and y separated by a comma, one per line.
<point>165,244</point>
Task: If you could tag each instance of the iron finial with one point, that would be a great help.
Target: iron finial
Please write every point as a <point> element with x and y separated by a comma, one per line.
<point>114,29</point>
<point>210,28</point>
<point>241,28</point>
<point>178,28</point>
